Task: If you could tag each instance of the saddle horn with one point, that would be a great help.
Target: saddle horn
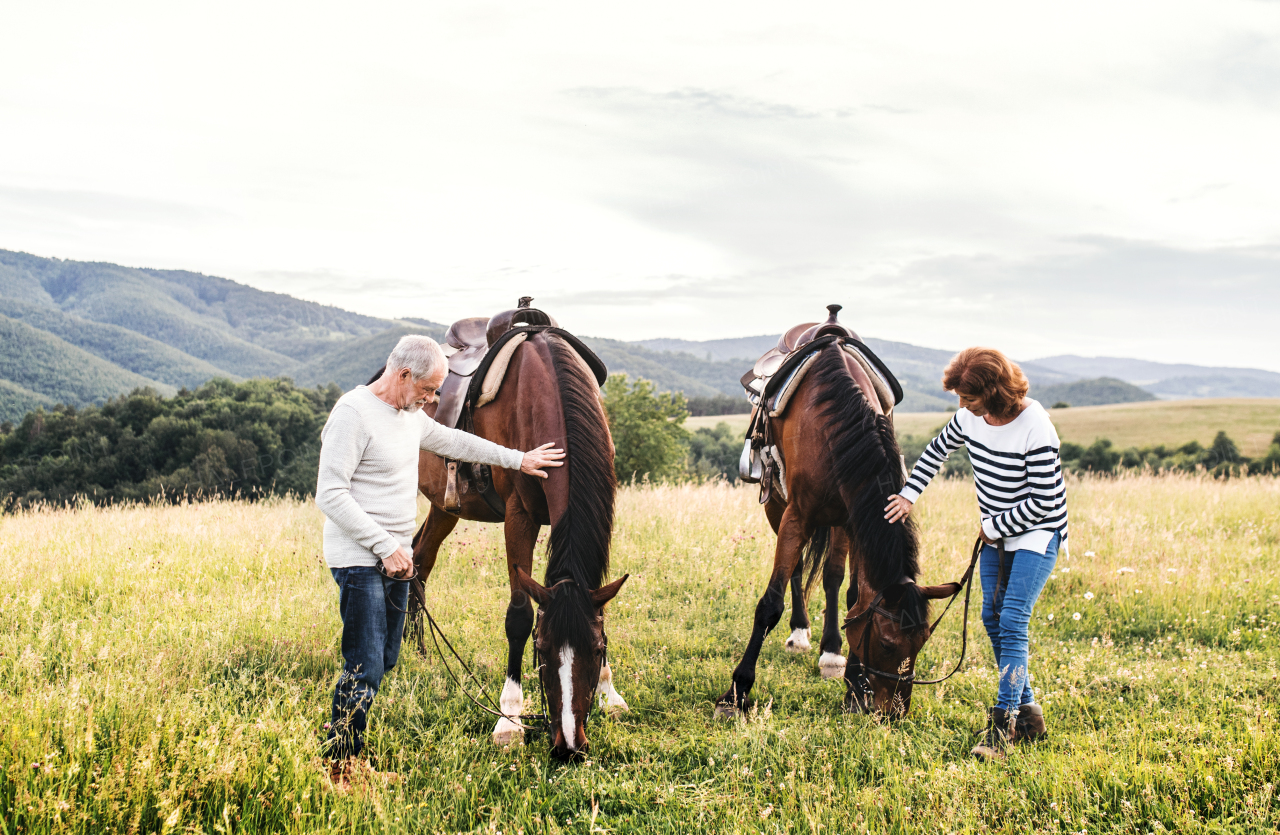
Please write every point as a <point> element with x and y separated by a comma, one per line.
<point>833,309</point>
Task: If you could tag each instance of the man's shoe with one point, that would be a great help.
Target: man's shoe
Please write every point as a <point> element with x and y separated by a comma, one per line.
<point>996,739</point>
<point>353,773</point>
<point>340,774</point>
<point>1029,726</point>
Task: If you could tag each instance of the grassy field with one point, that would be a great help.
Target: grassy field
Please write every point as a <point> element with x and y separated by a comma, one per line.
<point>1251,423</point>
<point>169,670</point>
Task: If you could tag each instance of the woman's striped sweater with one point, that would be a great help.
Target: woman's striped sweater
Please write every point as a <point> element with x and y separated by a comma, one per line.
<point>1016,471</point>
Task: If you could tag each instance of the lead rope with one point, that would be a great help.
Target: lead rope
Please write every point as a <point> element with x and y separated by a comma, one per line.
<point>493,708</point>
<point>966,583</point>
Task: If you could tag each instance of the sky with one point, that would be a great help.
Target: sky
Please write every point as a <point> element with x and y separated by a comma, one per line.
<point>1094,178</point>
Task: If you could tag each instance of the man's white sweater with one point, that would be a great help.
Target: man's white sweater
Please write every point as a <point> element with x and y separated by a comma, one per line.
<point>367,487</point>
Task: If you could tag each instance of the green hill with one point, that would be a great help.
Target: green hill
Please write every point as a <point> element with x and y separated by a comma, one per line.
<point>668,371</point>
<point>1099,392</point>
<point>42,363</point>
<point>352,363</point>
<point>16,401</point>
<point>238,329</point>
<point>121,346</point>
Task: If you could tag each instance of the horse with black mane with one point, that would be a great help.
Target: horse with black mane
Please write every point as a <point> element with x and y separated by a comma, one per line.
<point>823,447</point>
<point>519,380</point>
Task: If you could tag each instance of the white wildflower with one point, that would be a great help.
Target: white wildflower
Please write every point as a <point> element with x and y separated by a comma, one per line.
<point>1090,554</point>
<point>1076,616</point>
<point>1125,570</point>
<point>1088,595</point>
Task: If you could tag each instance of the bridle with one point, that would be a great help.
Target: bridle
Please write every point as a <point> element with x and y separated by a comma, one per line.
<point>536,723</point>
<point>863,669</point>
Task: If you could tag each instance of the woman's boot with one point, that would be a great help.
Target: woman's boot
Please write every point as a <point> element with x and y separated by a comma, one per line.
<point>996,740</point>
<point>1029,726</point>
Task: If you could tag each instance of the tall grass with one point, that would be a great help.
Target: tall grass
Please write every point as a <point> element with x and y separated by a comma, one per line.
<point>169,669</point>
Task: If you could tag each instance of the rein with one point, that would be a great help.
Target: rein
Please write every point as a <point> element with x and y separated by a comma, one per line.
<point>542,722</point>
<point>965,584</point>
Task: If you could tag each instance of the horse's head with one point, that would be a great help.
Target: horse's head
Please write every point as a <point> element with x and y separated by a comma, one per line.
<point>885,635</point>
<point>571,643</point>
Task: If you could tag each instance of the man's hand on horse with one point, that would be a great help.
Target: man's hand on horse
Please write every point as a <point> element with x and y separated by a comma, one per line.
<point>543,456</point>
<point>898,508</point>
<point>399,564</point>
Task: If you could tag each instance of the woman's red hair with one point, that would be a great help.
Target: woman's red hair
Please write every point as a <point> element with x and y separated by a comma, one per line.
<point>990,375</point>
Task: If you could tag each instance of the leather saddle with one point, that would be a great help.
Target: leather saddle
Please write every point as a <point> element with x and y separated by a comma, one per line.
<point>467,344</point>
<point>761,460</point>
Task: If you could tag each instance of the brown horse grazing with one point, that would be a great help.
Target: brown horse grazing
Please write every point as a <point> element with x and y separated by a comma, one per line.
<point>547,394</point>
<point>825,503</point>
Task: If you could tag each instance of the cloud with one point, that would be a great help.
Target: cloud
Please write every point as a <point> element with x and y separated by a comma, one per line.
<point>104,207</point>
<point>771,182</point>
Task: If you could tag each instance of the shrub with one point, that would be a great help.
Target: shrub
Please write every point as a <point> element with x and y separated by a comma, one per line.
<point>1099,458</point>
<point>256,438</point>
<point>649,439</point>
<point>715,452</point>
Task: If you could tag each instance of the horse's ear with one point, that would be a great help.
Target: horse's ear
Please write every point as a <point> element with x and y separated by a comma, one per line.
<point>940,591</point>
<point>893,594</point>
<point>604,594</point>
<point>532,587</point>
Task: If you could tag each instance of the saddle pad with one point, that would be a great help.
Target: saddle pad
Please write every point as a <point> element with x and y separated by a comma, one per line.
<point>498,369</point>
<point>782,397</point>
<point>778,403</point>
<point>878,381</point>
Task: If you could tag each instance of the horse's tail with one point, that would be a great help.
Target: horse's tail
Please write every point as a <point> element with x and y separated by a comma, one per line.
<point>814,556</point>
<point>578,547</point>
<point>866,469</point>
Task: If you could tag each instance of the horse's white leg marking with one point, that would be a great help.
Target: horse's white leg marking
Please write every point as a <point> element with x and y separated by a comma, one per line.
<point>613,701</point>
<point>798,641</point>
<point>832,665</point>
<point>567,725</point>
<point>512,703</point>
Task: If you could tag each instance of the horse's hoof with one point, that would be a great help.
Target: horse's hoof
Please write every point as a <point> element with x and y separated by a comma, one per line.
<point>798,641</point>
<point>832,665</point>
<point>508,736</point>
<point>726,711</point>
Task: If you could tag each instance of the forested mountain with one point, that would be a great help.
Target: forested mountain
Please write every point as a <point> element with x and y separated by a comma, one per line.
<point>1172,381</point>
<point>353,361</point>
<point>81,333</point>
<point>1099,392</point>
<point>40,363</point>
<point>121,346</point>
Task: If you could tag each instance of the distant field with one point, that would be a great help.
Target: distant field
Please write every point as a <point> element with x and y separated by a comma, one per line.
<point>1251,423</point>
<point>738,423</point>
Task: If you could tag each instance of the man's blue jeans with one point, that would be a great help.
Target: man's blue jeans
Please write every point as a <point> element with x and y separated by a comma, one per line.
<point>1008,616</point>
<point>371,630</point>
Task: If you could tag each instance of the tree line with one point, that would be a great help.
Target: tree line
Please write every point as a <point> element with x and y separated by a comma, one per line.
<point>261,438</point>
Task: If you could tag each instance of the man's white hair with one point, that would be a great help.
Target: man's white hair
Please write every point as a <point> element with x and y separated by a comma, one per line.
<point>420,354</point>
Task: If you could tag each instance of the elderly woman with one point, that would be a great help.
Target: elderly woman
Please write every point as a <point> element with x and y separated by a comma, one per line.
<point>1021,495</point>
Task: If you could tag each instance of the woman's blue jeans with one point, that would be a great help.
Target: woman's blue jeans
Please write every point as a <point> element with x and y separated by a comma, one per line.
<point>1007,615</point>
<point>371,630</point>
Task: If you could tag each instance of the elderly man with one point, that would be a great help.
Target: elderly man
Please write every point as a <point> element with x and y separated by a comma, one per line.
<point>367,489</point>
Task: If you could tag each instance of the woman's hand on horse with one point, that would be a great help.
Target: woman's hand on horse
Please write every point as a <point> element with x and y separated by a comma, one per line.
<point>399,564</point>
<point>898,508</point>
<point>543,456</point>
